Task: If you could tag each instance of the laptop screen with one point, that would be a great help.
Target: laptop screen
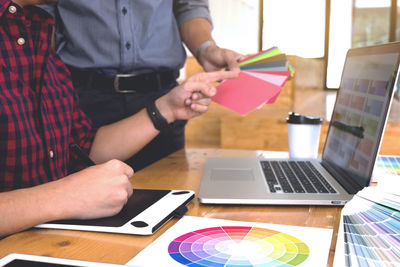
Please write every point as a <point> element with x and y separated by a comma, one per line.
<point>360,112</point>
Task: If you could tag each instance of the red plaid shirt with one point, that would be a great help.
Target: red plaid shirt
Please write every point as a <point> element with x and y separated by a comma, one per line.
<point>39,117</point>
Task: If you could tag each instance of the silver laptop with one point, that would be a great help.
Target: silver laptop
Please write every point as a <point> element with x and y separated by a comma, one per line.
<point>352,144</point>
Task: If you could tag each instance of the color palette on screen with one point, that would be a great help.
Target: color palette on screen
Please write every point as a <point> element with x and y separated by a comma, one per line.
<point>238,246</point>
<point>390,164</point>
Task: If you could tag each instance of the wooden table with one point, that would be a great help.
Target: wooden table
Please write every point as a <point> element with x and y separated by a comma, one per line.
<point>181,170</point>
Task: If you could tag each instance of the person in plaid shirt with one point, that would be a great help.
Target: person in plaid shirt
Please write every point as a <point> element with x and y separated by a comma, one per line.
<point>40,118</point>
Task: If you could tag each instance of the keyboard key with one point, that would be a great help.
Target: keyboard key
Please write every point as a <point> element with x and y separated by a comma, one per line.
<point>281,177</point>
<point>292,177</point>
<point>313,178</point>
<point>269,176</point>
<point>303,179</point>
<point>321,178</point>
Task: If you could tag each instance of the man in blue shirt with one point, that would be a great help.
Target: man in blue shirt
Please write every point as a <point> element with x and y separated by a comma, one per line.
<point>123,54</point>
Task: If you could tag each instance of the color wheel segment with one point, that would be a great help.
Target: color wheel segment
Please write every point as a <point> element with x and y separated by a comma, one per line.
<point>238,246</point>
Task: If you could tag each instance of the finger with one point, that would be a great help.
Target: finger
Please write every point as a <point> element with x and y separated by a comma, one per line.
<point>122,167</point>
<point>127,170</point>
<point>196,95</point>
<point>129,189</point>
<point>240,57</point>
<point>203,101</point>
<point>130,192</point>
<point>219,75</point>
<point>232,61</point>
<point>198,108</point>
<point>127,186</point>
<point>188,101</point>
<point>200,88</point>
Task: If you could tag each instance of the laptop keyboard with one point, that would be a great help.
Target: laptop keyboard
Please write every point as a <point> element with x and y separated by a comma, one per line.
<point>295,177</point>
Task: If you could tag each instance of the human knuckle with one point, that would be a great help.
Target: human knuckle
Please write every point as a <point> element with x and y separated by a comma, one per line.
<point>121,196</point>
<point>123,180</point>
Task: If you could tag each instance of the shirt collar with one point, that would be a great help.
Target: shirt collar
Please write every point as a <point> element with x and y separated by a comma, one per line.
<point>3,6</point>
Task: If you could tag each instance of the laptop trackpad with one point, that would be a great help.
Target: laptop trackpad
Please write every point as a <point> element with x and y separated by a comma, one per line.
<point>232,174</point>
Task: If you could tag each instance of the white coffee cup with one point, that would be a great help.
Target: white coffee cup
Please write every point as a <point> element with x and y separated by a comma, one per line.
<point>303,133</point>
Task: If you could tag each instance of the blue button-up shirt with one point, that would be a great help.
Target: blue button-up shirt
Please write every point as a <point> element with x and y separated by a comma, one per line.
<point>124,35</point>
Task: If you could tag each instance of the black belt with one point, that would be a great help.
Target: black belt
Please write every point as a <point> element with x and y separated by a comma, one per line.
<point>124,83</point>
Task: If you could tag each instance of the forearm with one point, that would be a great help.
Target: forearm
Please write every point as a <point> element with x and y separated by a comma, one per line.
<point>95,192</point>
<point>123,139</point>
<point>195,32</point>
<point>24,208</point>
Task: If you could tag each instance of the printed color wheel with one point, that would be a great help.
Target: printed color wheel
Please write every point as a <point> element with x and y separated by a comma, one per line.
<point>238,246</point>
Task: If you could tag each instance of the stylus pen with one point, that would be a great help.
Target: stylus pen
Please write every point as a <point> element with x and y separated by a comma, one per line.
<point>81,154</point>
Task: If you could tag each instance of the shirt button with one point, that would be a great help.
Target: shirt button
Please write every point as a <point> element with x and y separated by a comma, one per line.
<point>51,154</point>
<point>128,45</point>
<point>124,10</point>
<point>21,41</point>
<point>12,9</point>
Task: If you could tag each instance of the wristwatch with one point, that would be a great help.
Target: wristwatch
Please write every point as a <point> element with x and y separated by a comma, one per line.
<point>158,120</point>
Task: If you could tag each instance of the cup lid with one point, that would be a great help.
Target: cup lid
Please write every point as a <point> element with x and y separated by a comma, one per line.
<point>296,118</point>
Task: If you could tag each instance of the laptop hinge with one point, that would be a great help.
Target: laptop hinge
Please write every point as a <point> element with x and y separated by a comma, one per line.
<point>340,177</point>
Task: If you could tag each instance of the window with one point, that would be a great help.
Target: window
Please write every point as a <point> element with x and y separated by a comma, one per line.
<point>339,40</point>
<point>296,27</point>
<point>236,24</point>
<point>355,23</point>
<point>397,21</point>
<point>371,22</point>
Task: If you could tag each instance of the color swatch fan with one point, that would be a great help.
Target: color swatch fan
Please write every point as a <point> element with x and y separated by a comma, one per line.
<point>260,82</point>
<point>369,234</point>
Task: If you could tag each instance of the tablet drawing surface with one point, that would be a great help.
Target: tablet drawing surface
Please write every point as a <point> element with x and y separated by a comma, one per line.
<point>140,201</point>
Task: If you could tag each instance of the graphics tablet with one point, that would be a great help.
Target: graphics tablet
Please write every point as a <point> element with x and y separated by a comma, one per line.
<point>24,260</point>
<point>146,211</point>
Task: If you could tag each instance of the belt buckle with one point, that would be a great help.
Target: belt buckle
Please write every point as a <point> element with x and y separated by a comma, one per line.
<point>116,83</point>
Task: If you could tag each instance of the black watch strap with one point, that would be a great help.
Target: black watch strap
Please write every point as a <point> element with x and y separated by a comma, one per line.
<point>159,122</point>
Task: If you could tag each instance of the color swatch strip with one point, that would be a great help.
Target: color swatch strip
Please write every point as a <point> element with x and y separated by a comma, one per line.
<point>238,246</point>
<point>390,164</point>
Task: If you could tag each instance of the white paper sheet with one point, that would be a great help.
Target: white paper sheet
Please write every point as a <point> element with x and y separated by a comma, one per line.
<point>267,244</point>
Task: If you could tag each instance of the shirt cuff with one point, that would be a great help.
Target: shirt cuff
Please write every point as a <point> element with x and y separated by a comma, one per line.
<point>198,12</point>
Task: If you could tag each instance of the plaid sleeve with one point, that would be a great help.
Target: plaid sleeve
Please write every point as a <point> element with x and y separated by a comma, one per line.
<point>82,130</point>
<point>83,134</point>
